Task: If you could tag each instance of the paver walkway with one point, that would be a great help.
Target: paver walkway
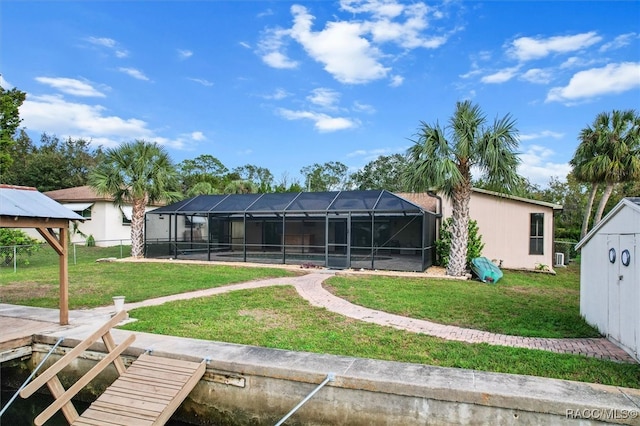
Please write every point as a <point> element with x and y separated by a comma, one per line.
<point>309,286</point>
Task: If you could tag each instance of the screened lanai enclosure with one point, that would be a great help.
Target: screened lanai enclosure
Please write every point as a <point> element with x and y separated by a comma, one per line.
<point>341,229</point>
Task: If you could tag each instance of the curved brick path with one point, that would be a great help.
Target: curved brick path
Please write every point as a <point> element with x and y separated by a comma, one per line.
<point>309,286</point>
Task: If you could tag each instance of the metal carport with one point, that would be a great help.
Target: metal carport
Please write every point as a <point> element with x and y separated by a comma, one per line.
<point>25,207</point>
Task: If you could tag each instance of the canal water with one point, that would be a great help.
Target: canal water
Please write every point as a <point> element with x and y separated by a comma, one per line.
<point>22,412</point>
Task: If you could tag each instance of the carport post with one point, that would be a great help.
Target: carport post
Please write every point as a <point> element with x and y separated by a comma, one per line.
<point>64,276</point>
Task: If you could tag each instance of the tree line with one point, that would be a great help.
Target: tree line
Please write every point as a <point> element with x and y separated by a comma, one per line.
<point>605,167</point>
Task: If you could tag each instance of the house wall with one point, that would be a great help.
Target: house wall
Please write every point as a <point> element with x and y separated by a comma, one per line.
<point>504,225</point>
<point>105,225</point>
<point>610,292</point>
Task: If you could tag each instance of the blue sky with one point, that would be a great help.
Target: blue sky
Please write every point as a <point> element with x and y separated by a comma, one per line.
<point>285,84</point>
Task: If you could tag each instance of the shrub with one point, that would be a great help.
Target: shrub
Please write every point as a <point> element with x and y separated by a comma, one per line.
<point>15,237</point>
<point>443,244</point>
<point>91,242</point>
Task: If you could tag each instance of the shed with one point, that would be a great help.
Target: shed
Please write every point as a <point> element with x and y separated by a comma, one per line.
<point>337,229</point>
<point>610,276</point>
<point>25,207</point>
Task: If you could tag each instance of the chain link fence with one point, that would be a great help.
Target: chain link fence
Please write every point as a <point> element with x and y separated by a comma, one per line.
<point>25,255</point>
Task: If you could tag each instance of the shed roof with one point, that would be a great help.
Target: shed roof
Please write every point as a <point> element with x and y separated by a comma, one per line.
<point>294,202</point>
<point>22,201</point>
<point>629,202</point>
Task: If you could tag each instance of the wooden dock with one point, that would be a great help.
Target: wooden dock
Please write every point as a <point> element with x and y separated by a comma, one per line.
<point>16,336</point>
<point>147,393</point>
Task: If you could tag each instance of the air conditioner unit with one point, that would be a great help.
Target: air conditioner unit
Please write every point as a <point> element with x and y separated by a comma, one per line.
<point>559,259</point>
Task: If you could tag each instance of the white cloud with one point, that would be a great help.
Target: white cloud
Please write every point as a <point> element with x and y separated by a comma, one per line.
<point>137,74</point>
<point>322,122</point>
<point>537,75</point>
<point>372,154</point>
<point>323,97</point>
<point>529,48</point>
<point>613,78</point>
<point>4,83</point>
<point>408,33</point>
<point>245,44</point>
<point>184,54</point>
<point>396,81</point>
<point>53,114</point>
<point>346,55</point>
<point>351,50</point>
<point>501,76</point>
<point>360,107</point>
<point>538,167</point>
<point>619,42</point>
<point>576,62</point>
<point>201,81</point>
<point>279,60</point>
<point>109,44</point>
<point>198,136</point>
<point>541,135</point>
<point>278,95</point>
<point>71,86</point>
<point>103,41</point>
<point>272,49</point>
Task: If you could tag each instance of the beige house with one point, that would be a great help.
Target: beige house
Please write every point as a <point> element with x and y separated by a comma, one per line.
<point>517,232</point>
<point>110,225</point>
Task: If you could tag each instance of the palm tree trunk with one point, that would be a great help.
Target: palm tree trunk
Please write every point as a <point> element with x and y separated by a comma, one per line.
<point>459,231</point>
<point>587,213</point>
<point>603,202</point>
<point>137,228</point>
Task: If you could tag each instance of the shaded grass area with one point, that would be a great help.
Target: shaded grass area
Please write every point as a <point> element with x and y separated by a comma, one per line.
<point>522,303</point>
<point>276,317</point>
<point>92,283</point>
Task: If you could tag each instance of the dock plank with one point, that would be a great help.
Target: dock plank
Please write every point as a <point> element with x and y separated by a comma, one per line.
<point>146,394</point>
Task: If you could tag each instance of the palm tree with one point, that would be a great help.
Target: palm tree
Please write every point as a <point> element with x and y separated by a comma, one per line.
<point>442,159</point>
<point>609,153</point>
<point>241,186</point>
<point>586,151</point>
<point>139,173</point>
<point>201,188</point>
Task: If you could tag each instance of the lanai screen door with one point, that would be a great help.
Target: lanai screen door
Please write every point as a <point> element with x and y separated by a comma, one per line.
<point>338,241</point>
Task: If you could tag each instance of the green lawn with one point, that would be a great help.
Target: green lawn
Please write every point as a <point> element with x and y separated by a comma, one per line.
<point>92,284</point>
<point>522,303</point>
<point>277,317</point>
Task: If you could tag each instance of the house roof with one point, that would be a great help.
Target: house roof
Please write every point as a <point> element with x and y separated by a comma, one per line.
<point>429,202</point>
<point>521,199</point>
<point>82,194</point>
<point>76,194</point>
<point>22,201</point>
<point>629,202</point>
<point>294,202</point>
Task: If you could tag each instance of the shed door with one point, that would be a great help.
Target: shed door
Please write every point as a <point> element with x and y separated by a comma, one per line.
<point>623,290</point>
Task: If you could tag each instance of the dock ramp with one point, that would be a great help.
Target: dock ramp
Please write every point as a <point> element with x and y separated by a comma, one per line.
<point>146,393</point>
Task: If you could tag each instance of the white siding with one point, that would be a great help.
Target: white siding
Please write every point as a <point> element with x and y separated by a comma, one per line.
<point>610,291</point>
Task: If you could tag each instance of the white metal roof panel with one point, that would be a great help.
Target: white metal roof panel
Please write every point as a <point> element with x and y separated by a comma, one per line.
<point>28,202</point>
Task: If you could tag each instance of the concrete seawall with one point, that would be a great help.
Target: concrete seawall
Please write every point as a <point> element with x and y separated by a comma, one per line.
<point>246,385</point>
